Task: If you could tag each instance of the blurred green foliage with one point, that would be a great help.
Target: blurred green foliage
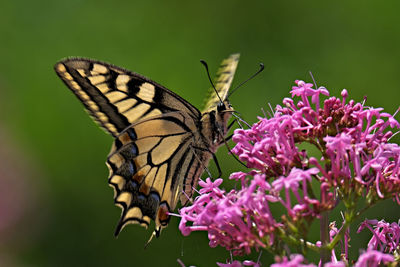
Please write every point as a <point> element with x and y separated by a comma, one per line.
<point>56,153</point>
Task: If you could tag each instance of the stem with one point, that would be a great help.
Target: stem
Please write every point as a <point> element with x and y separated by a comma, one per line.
<point>358,214</point>
<point>324,233</point>
<point>289,239</point>
<point>349,218</point>
<point>339,236</point>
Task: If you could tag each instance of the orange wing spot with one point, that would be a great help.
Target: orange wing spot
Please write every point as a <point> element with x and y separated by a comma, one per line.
<point>141,174</point>
<point>162,214</point>
<point>125,138</point>
<point>144,188</point>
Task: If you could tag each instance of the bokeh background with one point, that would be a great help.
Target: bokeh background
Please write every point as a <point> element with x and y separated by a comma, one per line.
<point>56,208</point>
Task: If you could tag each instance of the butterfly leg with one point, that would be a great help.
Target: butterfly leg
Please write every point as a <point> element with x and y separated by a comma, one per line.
<point>228,129</point>
<point>228,138</point>
<point>231,124</point>
<point>217,164</point>
<point>224,141</point>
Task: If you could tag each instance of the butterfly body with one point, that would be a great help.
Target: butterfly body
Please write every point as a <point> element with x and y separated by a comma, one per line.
<point>162,143</point>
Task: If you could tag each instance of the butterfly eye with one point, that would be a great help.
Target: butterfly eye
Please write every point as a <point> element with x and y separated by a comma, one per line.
<point>221,106</point>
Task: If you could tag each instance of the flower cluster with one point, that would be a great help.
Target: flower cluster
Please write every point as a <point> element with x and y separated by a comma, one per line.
<point>386,236</point>
<point>351,138</point>
<point>237,220</point>
<point>355,162</point>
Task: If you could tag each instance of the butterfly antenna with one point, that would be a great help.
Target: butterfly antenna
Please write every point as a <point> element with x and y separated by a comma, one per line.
<point>312,77</point>
<point>251,77</point>
<point>209,78</point>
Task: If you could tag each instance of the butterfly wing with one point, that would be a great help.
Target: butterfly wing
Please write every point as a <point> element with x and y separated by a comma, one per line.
<point>116,97</point>
<point>147,163</point>
<point>222,82</point>
<point>162,143</point>
<point>153,161</point>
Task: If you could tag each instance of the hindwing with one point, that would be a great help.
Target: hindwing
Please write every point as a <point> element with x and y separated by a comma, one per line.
<point>147,162</point>
<point>222,82</point>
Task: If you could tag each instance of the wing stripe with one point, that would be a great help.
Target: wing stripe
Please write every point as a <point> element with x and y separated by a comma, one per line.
<point>120,122</point>
<point>185,178</point>
<point>179,165</point>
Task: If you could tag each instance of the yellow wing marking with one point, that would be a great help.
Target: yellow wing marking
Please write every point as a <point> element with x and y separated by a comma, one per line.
<point>117,98</point>
<point>146,92</point>
<point>125,105</point>
<point>148,161</point>
<point>133,114</point>
<point>122,81</point>
<point>124,197</point>
<point>99,69</point>
<point>164,150</point>
<point>158,181</point>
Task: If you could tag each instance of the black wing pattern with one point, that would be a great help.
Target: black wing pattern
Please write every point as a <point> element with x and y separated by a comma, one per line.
<point>116,97</point>
<point>147,165</point>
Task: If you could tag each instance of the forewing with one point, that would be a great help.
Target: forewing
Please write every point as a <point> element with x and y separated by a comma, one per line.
<point>222,82</point>
<point>147,164</point>
<point>116,97</point>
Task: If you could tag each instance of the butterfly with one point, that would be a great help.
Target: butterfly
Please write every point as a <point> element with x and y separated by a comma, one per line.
<point>162,142</point>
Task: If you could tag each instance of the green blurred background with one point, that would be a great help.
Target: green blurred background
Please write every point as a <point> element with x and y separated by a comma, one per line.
<point>56,208</point>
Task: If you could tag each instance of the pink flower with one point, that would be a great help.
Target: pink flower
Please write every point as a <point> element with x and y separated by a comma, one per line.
<point>372,258</point>
<point>386,236</point>
<point>237,220</point>
<point>233,264</point>
<point>291,183</point>
<point>355,162</point>
<point>239,264</point>
<point>296,260</point>
<point>335,264</point>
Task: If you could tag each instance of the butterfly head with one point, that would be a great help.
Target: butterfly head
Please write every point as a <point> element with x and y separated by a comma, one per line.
<point>222,106</point>
<point>215,122</point>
